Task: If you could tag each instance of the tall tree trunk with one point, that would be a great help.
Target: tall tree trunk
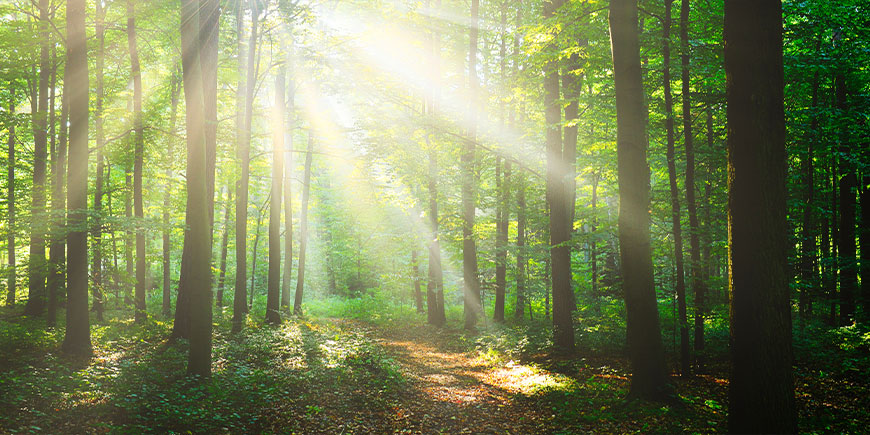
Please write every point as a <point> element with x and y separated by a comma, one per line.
<point>502,189</point>
<point>679,279</point>
<point>255,256</point>
<point>694,227</point>
<point>522,262</point>
<point>167,196</point>
<point>435,284</point>
<point>761,390</point>
<point>77,338</point>
<point>209,13</point>
<point>273,297</point>
<point>557,174</point>
<point>57,248</point>
<point>593,245</point>
<point>808,262</point>
<point>225,239</point>
<point>649,379</point>
<point>10,214</point>
<point>37,262</point>
<point>288,201</point>
<point>471,282</point>
<point>129,243</point>
<point>244,156</point>
<point>197,219</point>
<point>848,182</point>
<point>138,157</point>
<point>303,230</point>
<point>415,277</point>
<point>97,234</point>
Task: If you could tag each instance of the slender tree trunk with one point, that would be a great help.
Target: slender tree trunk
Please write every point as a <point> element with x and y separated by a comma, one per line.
<point>244,155</point>
<point>522,262</point>
<point>225,239</point>
<point>288,202</point>
<point>37,262</point>
<point>10,182</point>
<point>471,282</point>
<point>762,387</point>
<point>197,219</point>
<point>848,182</point>
<point>273,297</point>
<point>100,136</point>
<point>57,249</point>
<point>138,157</point>
<point>129,242</point>
<point>303,230</point>
<point>502,189</point>
<point>558,171</point>
<point>209,12</point>
<point>77,338</point>
<point>435,285</point>
<point>691,208</point>
<point>808,262</point>
<point>255,256</point>
<point>679,279</point>
<point>415,277</point>
<point>167,196</point>
<point>649,379</point>
<point>593,245</point>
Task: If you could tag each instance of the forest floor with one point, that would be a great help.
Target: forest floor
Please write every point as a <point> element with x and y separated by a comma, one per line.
<point>334,374</point>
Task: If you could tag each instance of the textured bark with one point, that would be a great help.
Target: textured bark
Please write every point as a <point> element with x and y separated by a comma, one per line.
<point>138,157</point>
<point>522,262</point>
<point>502,189</point>
<point>679,278</point>
<point>649,379</point>
<point>808,259</point>
<point>286,280</point>
<point>470,279</point>
<point>415,278</point>
<point>57,248</point>
<point>303,230</point>
<point>197,219</point>
<point>36,267</point>
<point>761,388</point>
<point>435,285</point>
<point>244,156</point>
<point>77,338</point>
<point>273,295</point>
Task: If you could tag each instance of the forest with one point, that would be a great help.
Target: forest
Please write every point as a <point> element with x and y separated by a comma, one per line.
<point>434,216</point>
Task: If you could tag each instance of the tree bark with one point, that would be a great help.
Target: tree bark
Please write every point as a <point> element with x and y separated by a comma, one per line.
<point>522,262</point>
<point>761,390</point>
<point>100,136</point>
<point>679,279</point>
<point>138,158</point>
<point>649,379</point>
<point>288,201</point>
<point>415,277</point>
<point>808,261</point>
<point>197,219</point>
<point>303,230</point>
<point>848,182</point>
<point>167,196</point>
<point>225,239</point>
<point>77,339</point>
<point>273,297</point>
<point>471,282</point>
<point>244,156</point>
<point>10,218</point>
<point>37,263</point>
<point>57,248</point>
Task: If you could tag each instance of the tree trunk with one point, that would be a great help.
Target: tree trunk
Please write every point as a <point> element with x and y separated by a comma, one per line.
<point>255,256</point>
<point>848,182</point>
<point>679,279</point>
<point>244,156</point>
<point>129,241</point>
<point>649,378</point>
<point>557,195</point>
<point>694,226</point>
<point>471,282</point>
<point>10,182</point>
<point>197,219</point>
<point>57,249</point>
<point>37,262</point>
<point>761,389</point>
<point>415,277</point>
<point>303,230</point>
<point>100,136</point>
<point>522,262</point>
<point>77,338</point>
<point>808,262</point>
<point>225,239</point>
<point>273,297</point>
<point>138,157</point>
<point>288,202</point>
<point>167,196</point>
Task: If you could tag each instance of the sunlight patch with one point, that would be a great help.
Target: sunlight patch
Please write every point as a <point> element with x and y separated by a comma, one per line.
<point>528,380</point>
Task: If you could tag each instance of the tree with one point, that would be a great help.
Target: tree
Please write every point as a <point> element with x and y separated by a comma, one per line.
<point>288,202</point>
<point>138,157</point>
<point>273,296</point>
<point>175,89</point>
<point>645,350</point>
<point>77,338</point>
<point>679,278</point>
<point>761,390</point>
<point>10,181</point>
<point>470,279</point>
<point>57,249</point>
<point>100,136</point>
<point>36,267</point>
<point>303,230</point>
<point>192,25</point>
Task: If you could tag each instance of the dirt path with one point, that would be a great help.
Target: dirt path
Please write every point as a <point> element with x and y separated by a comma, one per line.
<point>455,392</point>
